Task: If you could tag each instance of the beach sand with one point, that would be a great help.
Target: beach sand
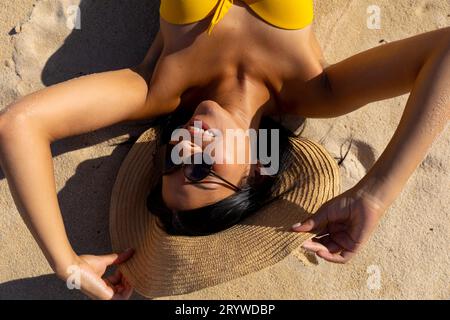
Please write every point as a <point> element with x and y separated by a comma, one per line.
<point>408,255</point>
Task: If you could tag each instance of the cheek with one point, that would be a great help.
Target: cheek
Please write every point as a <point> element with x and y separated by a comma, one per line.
<point>165,191</point>
<point>171,183</point>
<point>171,190</point>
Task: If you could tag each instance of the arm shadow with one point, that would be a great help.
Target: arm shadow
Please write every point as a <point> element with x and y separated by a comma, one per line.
<point>112,35</point>
<point>45,287</point>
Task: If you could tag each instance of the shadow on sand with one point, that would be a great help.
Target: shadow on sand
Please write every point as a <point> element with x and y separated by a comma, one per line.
<point>46,287</point>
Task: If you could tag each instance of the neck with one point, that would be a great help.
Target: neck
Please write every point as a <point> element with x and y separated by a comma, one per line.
<point>243,98</point>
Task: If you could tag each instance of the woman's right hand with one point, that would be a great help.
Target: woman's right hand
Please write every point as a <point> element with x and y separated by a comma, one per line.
<point>85,273</point>
<point>346,223</point>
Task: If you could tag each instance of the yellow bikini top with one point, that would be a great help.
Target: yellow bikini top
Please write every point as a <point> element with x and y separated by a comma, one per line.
<point>285,14</point>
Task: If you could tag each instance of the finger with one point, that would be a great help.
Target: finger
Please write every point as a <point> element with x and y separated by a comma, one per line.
<point>342,257</point>
<point>125,293</point>
<point>128,291</point>
<point>115,278</point>
<point>125,281</point>
<point>331,246</point>
<point>124,256</point>
<point>115,259</point>
<point>313,246</point>
<point>116,282</point>
<point>119,288</point>
<point>316,223</point>
<point>96,288</point>
<point>112,287</point>
<point>109,284</point>
<point>344,240</point>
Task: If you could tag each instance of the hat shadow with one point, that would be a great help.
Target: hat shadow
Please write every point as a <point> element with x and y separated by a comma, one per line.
<point>113,35</point>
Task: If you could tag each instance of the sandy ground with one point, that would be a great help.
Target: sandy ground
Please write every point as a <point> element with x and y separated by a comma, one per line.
<point>407,257</point>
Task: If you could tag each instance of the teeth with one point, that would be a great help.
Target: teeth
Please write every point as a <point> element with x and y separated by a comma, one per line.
<point>200,130</point>
<point>196,129</point>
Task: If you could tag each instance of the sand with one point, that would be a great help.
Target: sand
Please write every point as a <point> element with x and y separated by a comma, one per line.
<point>408,255</point>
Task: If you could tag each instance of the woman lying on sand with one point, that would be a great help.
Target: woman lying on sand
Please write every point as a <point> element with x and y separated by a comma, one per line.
<point>229,64</point>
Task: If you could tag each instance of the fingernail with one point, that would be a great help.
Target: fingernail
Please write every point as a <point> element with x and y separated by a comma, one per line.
<point>307,247</point>
<point>295,226</point>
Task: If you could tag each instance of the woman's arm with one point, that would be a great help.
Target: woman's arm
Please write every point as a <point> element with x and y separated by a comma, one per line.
<point>419,64</point>
<point>29,126</point>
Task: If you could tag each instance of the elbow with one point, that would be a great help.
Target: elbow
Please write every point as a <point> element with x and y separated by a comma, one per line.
<point>443,46</point>
<point>447,32</point>
<point>8,121</point>
<point>446,41</point>
<point>15,122</point>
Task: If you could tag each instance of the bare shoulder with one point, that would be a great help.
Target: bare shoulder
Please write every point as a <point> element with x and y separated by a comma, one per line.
<point>161,70</point>
<point>166,87</point>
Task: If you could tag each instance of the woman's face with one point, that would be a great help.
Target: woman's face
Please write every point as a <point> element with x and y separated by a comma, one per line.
<point>181,194</point>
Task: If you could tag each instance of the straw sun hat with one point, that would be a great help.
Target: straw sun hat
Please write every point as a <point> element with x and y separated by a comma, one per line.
<point>165,265</point>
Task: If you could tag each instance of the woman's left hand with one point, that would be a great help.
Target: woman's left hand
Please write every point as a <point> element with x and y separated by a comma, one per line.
<point>346,222</point>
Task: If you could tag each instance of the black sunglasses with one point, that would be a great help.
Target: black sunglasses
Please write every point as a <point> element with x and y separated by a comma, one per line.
<point>194,172</point>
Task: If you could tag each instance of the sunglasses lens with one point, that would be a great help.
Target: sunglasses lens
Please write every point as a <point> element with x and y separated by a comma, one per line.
<point>197,172</point>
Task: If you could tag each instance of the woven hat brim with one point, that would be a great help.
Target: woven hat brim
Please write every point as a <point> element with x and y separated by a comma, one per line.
<point>165,265</point>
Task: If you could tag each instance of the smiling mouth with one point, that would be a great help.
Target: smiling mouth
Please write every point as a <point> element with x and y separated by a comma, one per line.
<point>204,130</point>
<point>205,126</point>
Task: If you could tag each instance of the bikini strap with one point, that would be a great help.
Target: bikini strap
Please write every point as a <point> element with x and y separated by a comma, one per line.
<point>221,11</point>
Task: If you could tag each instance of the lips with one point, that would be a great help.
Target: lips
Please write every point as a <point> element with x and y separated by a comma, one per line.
<point>196,131</point>
<point>205,126</point>
<point>204,130</point>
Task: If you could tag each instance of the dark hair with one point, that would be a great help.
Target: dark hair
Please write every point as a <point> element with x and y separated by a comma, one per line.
<point>254,194</point>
